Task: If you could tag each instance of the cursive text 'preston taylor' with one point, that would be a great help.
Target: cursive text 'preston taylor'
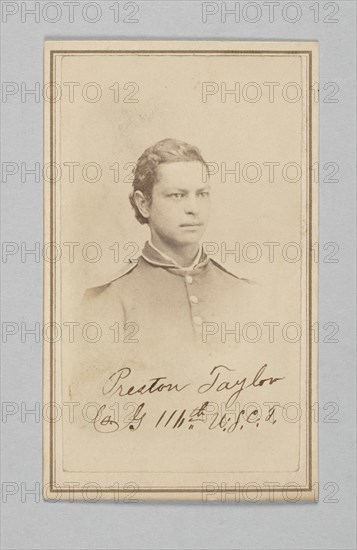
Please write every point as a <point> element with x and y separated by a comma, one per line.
<point>218,382</point>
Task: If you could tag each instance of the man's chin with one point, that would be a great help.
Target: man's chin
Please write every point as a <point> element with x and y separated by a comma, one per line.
<point>189,240</point>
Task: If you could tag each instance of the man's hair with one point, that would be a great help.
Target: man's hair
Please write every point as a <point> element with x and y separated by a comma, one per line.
<point>146,170</point>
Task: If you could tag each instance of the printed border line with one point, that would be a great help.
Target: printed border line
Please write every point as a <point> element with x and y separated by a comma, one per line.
<point>276,53</point>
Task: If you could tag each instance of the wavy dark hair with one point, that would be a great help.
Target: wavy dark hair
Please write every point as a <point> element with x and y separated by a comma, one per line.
<point>165,151</point>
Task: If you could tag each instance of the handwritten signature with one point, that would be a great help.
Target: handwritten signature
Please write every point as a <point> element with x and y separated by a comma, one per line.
<point>218,385</point>
<point>226,421</point>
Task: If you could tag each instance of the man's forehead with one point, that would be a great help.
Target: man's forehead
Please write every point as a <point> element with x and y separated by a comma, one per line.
<point>179,173</point>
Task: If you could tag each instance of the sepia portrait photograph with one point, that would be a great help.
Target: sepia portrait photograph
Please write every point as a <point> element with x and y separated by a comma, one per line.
<point>191,294</point>
<point>180,282</point>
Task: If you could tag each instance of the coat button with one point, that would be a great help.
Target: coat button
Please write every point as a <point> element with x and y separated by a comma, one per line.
<point>189,279</point>
<point>194,299</point>
<point>197,320</point>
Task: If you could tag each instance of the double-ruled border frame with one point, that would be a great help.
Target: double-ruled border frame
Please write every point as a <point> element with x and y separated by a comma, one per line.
<point>53,490</point>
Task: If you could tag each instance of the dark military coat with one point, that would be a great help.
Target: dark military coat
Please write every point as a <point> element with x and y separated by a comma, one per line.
<point>165,301</point>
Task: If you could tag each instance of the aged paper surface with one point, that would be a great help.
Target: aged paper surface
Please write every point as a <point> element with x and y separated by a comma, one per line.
<point>180,293</point>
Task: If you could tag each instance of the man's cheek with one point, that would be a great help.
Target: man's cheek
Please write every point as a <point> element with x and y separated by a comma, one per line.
<point>170,215</point>
<point>205,213</point>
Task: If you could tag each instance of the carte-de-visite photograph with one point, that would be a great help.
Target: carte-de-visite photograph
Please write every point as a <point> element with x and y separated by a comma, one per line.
<point>180,282</point>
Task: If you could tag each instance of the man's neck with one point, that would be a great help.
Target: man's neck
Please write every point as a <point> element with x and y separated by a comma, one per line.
<point>182,255</point>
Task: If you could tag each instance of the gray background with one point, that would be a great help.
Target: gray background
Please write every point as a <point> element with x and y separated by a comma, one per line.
<point>28,523</point>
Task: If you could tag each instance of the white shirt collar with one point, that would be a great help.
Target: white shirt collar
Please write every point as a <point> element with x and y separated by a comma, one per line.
<point>194,263</point>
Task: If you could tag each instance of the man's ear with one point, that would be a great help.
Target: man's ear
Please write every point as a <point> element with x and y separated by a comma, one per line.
<point>142,203</point>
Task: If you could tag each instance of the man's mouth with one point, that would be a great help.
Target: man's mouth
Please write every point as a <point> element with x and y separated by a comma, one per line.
<point>191,225</point>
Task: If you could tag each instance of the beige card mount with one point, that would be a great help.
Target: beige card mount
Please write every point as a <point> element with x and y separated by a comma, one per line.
<point>180,271</point>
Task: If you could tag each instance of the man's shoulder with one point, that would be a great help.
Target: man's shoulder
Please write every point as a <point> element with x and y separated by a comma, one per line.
<point>223,272</point>
<point>104,288</point>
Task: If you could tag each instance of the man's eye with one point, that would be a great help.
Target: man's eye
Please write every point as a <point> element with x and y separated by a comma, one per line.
<point>177,195</point>
<point>204,194</point>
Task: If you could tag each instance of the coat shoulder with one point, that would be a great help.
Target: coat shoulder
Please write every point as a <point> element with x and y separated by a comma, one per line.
<point>96,291</point>
<point>225,271</point>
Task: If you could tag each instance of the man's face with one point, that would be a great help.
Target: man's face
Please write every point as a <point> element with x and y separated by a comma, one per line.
<point>180,205</point>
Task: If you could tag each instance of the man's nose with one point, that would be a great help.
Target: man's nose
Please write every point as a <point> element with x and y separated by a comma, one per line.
<point>191,205</point>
